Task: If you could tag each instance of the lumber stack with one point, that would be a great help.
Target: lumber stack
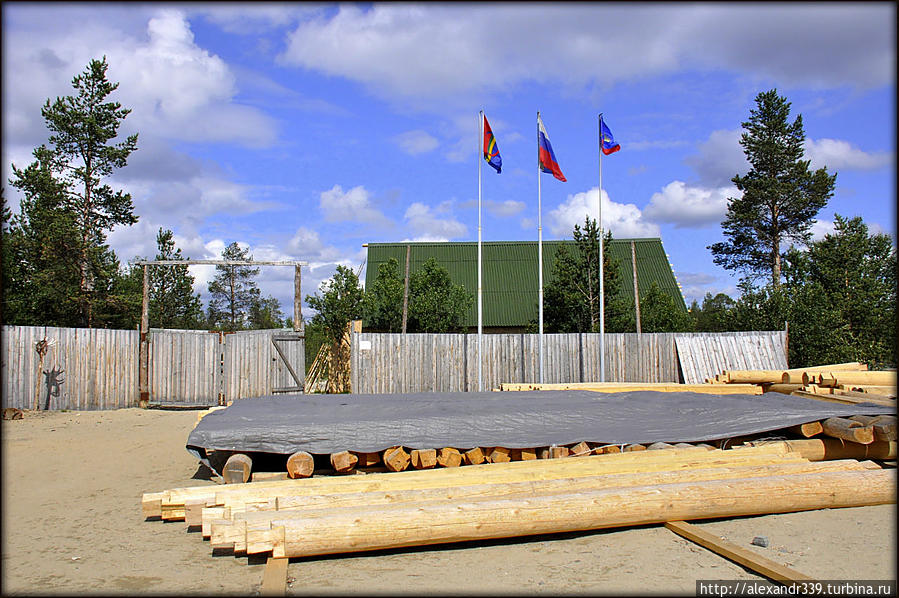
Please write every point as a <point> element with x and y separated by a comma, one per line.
<point>342,514</point>
<point>847,383</point>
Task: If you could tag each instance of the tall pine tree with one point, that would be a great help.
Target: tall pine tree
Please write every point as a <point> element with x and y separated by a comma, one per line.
<point>233,291</point>
<point>65,185</point>
<point>780,195</point>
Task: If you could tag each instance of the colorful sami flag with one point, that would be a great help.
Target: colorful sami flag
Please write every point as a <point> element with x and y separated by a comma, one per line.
<point>491,150</point>
<point>608,144</point>
<point>546,157</point>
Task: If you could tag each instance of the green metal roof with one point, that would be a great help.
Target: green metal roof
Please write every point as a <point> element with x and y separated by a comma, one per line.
<point>510,272</point>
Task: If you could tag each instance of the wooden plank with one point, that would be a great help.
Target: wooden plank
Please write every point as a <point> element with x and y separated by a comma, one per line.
<point>274,577</point>
<point>742,556</point>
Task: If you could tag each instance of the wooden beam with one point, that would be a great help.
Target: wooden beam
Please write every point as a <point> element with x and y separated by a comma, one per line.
<point>274,577</point>
<point>368,459</point>
<point>298,324</point>
<point>344,461</point>
<point>742,556</point>
<point>220,263</point>
<point>396,459</point>
<point>881,378</point>
<point>449,457</point>
<point>300,465</point>
<point>474,456</point>
<point>424,458</point>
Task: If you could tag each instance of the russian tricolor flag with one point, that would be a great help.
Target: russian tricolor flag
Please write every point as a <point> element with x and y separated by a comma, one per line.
<point>546,157</point>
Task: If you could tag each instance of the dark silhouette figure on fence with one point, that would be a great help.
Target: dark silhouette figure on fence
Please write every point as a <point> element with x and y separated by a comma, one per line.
<point>53,381</point>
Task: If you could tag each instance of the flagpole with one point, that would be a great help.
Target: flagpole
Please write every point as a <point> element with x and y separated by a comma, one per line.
<point>602,307</point>
<point>480,302</point>
<point>539,252</point>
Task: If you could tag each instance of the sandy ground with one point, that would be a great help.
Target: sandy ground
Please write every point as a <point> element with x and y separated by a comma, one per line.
<point>72,523</point>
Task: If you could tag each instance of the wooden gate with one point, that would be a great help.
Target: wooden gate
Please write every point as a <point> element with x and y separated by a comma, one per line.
<point>190,367</point>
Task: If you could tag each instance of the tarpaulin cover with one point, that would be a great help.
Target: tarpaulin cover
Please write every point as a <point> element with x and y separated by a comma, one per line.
<point>369,423</point>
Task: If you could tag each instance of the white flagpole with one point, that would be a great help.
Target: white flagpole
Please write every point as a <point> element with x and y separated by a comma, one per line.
<point>602,307</point>
<point>480,302</point>
<point>539,253</point>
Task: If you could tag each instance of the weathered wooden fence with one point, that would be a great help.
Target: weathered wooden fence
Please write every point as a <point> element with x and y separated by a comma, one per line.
<point>82,368</point>
<point>87,369</point>
<point>392,363</point>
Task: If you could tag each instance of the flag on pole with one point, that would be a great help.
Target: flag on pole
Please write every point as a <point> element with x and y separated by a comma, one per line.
<point>547,158</point>
<point>608,142</point>
<point>491,150</point>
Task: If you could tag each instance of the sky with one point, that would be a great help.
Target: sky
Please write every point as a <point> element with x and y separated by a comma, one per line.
<point>303,131</point>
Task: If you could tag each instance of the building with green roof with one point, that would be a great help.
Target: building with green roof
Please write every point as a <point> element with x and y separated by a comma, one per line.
<point>510,273</point>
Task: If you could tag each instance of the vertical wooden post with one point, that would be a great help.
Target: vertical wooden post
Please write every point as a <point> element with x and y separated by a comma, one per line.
<point>636,290</point>
<point>298,325</point>
<point>406,288</point>
<point>144,353</point>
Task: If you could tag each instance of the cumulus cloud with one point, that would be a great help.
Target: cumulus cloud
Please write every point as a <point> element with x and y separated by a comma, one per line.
<point>431,225</point>
<point>841,155</point>
<point>720,157</point>
<point>623,220</point>
<point>353,205</point>
<point>689,207</point>
<point>490,47</point>
<point>416,142</point>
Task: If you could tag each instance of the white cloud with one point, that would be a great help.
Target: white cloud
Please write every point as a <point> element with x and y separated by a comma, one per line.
<point>391,48</point>
<point>504,209</point>
<point>354,205</point>
<point>689,207</point>
<point>623,220</point>
<point>841,155</point>
<point>820,228</point>
<point>416,142</point>
<point>720,157</point>
<point>428,224</point>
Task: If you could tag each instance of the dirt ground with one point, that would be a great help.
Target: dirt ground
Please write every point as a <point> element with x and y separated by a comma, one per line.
<point>72,523</point>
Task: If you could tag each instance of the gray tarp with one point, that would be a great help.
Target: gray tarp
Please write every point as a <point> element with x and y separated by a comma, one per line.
<point>368,423</point>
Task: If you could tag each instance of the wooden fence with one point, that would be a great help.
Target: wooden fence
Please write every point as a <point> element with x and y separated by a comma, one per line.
<point>83,368</point>
<point>394,363</point>
<point>89,369</point>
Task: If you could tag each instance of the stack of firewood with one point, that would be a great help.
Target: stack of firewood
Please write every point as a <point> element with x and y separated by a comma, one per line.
<point>340,514</point>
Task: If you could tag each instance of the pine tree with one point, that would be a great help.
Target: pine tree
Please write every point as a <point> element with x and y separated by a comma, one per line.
<point>173,303</point>
<point>67,177</point>
<point>233,291</point>
<point>780,195</point>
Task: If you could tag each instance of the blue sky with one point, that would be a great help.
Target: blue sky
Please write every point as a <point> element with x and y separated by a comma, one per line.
<point>303,131</point>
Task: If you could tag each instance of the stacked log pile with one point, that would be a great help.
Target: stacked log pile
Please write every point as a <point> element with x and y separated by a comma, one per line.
<point>341,514</point>
<point>848,383</point>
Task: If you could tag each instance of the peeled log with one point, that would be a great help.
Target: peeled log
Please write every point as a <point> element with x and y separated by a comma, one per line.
<point>154,502</point>
<point>291,506</point>
<point>848,429</point>
<point>753,376</point>
<point>384,527</point>
<point>820,449</point>
<point>300,465</point>
<point>237,469</point>
<point>850,378</point>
